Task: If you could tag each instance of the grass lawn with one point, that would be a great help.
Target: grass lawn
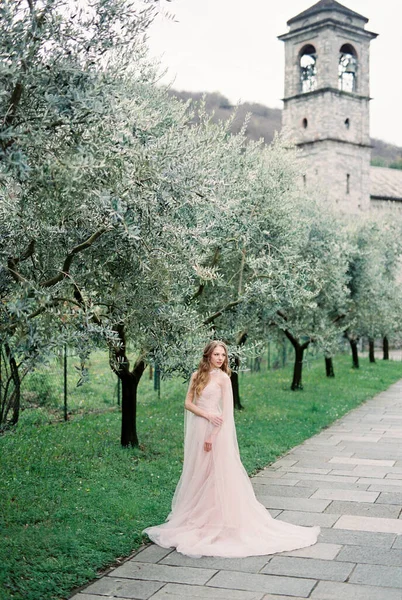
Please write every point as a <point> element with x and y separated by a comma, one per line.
<point>72,500</point>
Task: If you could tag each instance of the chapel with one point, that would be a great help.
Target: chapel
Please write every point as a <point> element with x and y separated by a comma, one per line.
<point>327,107</point>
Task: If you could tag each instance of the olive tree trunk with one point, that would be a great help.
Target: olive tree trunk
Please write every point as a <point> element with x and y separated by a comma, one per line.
<point>329,367</point>
<point>234,378</point>
<point>355,353</point>
<point>371,350</point>
<point>298,364</point>
<point>129,385</point>
<point>385,348</point>
<point>10,388</point>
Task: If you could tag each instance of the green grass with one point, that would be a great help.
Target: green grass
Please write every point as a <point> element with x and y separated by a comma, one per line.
<point>72,500</point>
<point>43,389</point>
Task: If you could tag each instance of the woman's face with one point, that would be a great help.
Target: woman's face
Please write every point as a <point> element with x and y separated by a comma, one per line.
<point>217,357</point>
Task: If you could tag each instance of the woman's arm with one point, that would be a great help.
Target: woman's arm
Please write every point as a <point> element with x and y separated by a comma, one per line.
<point>227,407</point>
<point>189,405</point>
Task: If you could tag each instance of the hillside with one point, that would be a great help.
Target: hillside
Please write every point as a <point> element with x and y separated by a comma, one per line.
<point>265,121</point>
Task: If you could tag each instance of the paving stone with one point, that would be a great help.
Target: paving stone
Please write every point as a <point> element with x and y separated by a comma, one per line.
<point>308,519</point>
<point>288,586</point>
<point>379,575</point>
<point>266,473</point>
<point>398,542</point>
<point>286,461</point>
<point>313,477</point>
<point>152,572</point>
<point>362,471</point>
<point>390,498</point>
<point>389,487</point>
<point>369,524</point>
<point>301,504</point>
<point>81,596</point>
<point>330,590</point>
<point>177,591</point>
<point>385,483</point>
<point>370,452</point>
<point>276,597</point>
<point>363,509</point>
<point>307,470</point>
<point>324,442</point>
<point>309,567</point>
<point>152,554</point>
<point>378,472</point>
<point>285,491</point>
<point>307,463</point>
<point>356,438</point>
<point>251,564</point>
<point>362,461</point>
<point>395,476</point>
<point>310,451</point>
<point>270,481</point>
<point>357,538</point>
<point>319,550</point>
<point>333,485</point>
<point>112,586</point>
<point>372,556</point>
<point>347,495</point>
<point>274,513</point>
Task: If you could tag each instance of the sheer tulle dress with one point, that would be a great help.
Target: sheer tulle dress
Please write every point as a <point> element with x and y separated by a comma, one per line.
<point>214,508</point>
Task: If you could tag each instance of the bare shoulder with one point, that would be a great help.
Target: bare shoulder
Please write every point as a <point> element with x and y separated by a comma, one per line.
<point>224,377</point>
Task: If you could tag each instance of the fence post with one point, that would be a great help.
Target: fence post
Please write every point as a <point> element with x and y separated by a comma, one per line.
<point>65,383</point>
<point>157,379</point>
<point>269,357</point>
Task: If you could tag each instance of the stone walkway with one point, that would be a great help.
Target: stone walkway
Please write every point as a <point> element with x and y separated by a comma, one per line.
<point>347,479</point>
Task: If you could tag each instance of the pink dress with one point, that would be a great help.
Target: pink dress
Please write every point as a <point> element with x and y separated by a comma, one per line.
<point>214,508</point>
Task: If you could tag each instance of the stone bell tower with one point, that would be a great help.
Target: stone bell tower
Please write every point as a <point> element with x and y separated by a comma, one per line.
<point>326,103</point>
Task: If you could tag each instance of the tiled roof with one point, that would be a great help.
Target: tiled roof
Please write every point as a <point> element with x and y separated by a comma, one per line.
<point>385,184</point>
<point>325,5</point>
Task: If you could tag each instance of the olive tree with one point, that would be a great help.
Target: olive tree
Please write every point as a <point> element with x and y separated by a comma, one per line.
<point>60,179</point>
<point>313,305</point>
<point>373,281</point>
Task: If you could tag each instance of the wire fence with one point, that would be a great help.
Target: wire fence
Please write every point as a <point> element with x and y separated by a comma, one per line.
<point>64,386</point>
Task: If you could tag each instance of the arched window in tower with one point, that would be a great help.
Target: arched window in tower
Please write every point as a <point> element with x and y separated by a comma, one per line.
<point>347,69</point>
<point>308,70</point>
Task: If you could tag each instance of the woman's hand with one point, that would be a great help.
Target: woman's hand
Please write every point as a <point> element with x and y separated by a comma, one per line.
<point>208,446</point>
<point>215,420</point>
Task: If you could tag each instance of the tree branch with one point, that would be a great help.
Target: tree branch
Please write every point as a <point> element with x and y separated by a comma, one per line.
<point>281,314</point>
<point>229,306</point>
<point>69,258</point>
<point>13,261</point>
<point>243,259</point>
<point>14,102</point>
<point>53,302</point>
<point>338,318</point>
<point>202,285</point>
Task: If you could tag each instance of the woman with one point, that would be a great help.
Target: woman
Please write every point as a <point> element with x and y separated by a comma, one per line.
<point>214,509</point>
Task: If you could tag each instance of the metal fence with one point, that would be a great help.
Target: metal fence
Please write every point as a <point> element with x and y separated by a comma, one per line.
<point>63,385</point>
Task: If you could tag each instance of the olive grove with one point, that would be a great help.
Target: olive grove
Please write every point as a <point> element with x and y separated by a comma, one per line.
<point>129,220</point>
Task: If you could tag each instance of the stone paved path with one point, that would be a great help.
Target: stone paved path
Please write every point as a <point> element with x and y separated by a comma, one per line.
<point>347,479</point>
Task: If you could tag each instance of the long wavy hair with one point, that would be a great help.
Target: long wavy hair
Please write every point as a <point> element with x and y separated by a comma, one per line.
<point>202,375</point>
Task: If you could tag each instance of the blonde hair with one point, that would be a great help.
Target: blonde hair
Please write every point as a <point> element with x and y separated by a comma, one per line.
<point>201,377</point>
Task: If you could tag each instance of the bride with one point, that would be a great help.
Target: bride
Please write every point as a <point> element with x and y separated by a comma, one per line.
<point>214,509</point>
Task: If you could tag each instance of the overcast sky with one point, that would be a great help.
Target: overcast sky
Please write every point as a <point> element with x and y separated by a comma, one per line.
<point>231,47</point>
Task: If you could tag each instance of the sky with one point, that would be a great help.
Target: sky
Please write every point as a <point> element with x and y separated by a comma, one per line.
<point>231,47</point>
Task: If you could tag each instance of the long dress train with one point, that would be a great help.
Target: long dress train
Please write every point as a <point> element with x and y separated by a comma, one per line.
<point>214,508</point>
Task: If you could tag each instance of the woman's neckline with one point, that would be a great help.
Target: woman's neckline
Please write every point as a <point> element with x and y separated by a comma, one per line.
<point>215,370</point>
